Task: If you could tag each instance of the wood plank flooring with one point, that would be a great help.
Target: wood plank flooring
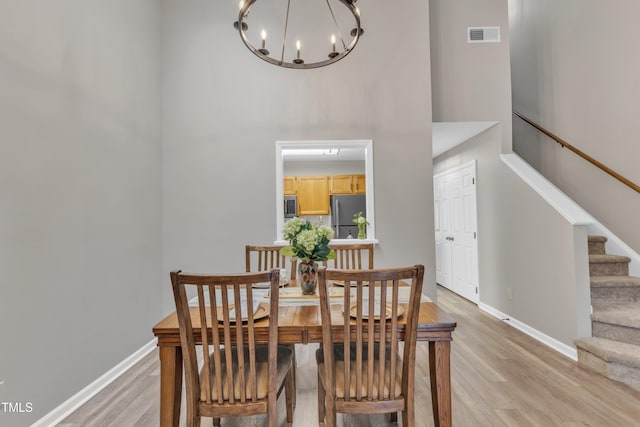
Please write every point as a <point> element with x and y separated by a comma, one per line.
<point>500,378</point>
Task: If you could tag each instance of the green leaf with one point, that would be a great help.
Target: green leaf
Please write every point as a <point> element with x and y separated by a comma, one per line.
<point>287,251</point>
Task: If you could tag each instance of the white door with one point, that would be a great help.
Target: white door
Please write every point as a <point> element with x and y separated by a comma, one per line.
<point>443,230</point>
<point>458,243</point>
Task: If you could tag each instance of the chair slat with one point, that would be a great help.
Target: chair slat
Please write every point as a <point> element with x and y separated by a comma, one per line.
<point>347,339</point>
<point>228,345</point>
<point>370,341</point>
<point>359,343</point>
<point>239,341</point>
<point>217,361</point>
<point>252,345</point>
<point>394,340</point>
<point>382,340</point>
<point>205,343</point>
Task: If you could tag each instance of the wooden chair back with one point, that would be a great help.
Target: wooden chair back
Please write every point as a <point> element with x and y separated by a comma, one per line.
<point>365,341</point>
<point>216,314</point>
<point>357,256</point>
<point>267,258</point>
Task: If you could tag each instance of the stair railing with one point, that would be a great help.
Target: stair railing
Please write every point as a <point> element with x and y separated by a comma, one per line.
<point>565,144</point>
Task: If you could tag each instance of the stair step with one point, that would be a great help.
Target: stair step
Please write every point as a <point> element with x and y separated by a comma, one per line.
<point>596,244</point>
<point>606,289</point>
<point>619,322</point>
<point>615,360</point>
<point>609,265</point>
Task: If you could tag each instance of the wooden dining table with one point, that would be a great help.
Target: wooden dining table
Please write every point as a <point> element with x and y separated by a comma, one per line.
<point>301,324</point>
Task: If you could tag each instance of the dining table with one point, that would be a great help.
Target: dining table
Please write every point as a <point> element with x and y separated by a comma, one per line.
<point>299,322</point>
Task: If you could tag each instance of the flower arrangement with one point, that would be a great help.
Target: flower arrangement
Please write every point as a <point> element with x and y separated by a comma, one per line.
<point>307,242</point>
<point>361,222</point>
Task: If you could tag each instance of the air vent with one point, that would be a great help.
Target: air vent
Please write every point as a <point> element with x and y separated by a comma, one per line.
<point>483,34</point>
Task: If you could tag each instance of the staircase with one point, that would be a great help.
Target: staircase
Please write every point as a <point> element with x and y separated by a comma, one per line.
<point>614,349</point>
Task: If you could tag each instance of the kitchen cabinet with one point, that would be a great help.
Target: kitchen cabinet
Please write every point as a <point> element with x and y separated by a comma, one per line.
<point>341,184</point>
<point>348,184</point>
<point>290,186</point>
<point>359,184</point>
<point>313,195</point>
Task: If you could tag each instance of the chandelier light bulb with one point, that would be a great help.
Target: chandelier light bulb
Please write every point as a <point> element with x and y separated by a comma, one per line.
<point>333,42</point>
<point>241,5</point>
<point>264,50</point>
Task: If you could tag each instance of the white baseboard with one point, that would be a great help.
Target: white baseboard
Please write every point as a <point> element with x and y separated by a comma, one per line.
<point>74,402</point>
<point>558,346</point>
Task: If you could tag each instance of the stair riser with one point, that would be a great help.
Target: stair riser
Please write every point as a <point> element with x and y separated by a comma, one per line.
<point>616,333</point>
<point>615,294</point>
<point>618,372</point>
<point>596,248</point>
<point>609,269</point>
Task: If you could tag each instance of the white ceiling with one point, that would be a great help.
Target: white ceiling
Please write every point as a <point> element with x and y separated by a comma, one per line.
<point>345,154</point>
<point>447,135</point>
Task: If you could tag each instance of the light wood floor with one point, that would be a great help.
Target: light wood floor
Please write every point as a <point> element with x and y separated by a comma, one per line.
<point>500,377</point>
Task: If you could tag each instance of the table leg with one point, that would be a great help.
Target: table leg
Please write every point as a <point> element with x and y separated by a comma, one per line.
<point>170,386</point>
<point>440,374</point>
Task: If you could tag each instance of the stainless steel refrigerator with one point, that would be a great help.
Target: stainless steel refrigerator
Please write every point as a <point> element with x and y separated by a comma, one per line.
<point>343,208</point>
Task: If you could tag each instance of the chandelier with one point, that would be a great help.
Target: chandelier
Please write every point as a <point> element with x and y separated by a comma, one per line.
<point>336,45</point>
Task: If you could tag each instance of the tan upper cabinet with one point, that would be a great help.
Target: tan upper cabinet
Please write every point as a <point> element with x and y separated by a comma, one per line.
<point>348,184</point>
<point>313,195</point>
<point>341,184</point>
<point>290,186</point>
<point>359,184</point>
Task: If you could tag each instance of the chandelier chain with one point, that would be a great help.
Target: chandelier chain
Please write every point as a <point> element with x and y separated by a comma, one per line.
<point>335,22</point>
<point>286,26</point>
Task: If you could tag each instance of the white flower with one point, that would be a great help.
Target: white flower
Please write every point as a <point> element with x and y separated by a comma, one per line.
<point>361,220</point>
<point>308,239</point>
<point>292,227</point>
<point>326,232</point>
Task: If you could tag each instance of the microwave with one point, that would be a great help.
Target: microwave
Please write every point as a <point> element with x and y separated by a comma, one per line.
<point>290,206</point>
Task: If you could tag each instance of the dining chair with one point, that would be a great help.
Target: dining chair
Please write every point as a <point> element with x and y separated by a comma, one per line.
<point>268,257</point>
<point>351,256</point>
<point>238,377</point>
<point>360,367</point>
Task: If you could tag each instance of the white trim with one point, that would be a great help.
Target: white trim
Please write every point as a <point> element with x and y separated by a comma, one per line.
<point>335,242</point>
<point>365,144</point>
<point>545,339</point>
<point>566,207</point>
<point>74,402</point>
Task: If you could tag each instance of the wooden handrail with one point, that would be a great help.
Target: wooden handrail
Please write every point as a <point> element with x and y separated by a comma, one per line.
<point>565,144</point>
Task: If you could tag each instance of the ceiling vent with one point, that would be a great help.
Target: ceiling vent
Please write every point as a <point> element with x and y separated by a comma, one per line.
<point>483,34</point>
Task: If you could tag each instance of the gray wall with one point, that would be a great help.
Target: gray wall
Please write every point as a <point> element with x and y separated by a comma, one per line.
<point>470,82</point>
<point>80,179</point>
<point>582,86</point>
<point>224,109</point>
<point>514,249</point>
